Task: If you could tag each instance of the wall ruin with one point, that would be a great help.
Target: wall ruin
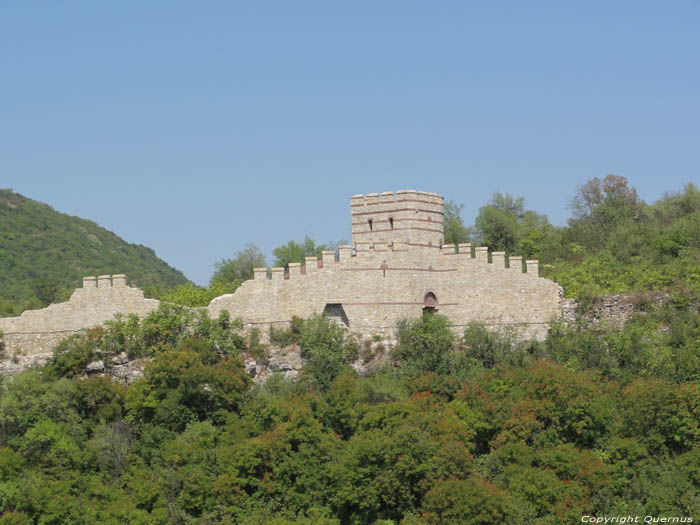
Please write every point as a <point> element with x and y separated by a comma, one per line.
<point>99,300</point>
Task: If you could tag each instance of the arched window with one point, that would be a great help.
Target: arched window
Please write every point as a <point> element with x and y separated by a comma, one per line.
<point>391,222</point>
<point>370,225</point>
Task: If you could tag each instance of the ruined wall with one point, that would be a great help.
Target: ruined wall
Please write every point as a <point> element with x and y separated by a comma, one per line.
<point>99,300</point>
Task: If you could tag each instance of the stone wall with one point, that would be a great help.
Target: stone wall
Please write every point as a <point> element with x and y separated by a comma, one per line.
<point>611,310</point>
<point>414,217</point>
<point>377,287</point>
<point>395,269</point>
<point>99,300</point>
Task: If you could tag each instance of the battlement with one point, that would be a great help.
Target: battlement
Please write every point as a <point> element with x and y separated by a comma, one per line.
<point>397,267</point>
<point>390,256</point>
<point>104,281</point>
<point>400,196</point>
<point>414,217</point>
<point>99,300</point>
<point>498,259</point>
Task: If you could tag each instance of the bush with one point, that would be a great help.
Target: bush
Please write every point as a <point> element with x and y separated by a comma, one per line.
<point>327,350</point>
<point>191,295</point>
<point>487,347</point>
<point>287,336</point>
<point>423,344</point>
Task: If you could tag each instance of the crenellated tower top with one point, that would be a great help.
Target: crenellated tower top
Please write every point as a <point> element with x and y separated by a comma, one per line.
<point>410,216</point>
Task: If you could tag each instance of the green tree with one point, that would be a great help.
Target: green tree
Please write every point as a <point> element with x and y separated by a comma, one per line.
<point>612,191</point>
<point>424,344</point>
<point>497,223</point>
<point>327,350</point>
<point>455,230</point>
<point>191,295</point>
<point>505,225</point>
<point>473,501</point>
<point>240,268</point>
<point>295,252</point>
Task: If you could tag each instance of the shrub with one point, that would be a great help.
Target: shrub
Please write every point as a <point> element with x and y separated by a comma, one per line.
<point>327,350</point>
<point>423,344</point>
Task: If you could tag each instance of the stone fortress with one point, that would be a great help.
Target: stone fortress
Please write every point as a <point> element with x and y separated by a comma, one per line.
<point>397,267</point>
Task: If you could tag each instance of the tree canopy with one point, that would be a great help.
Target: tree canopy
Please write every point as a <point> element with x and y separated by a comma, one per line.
<point>296,251</point>
<point>240,267</point>
<point>452,426</point>
<point>455,230</point>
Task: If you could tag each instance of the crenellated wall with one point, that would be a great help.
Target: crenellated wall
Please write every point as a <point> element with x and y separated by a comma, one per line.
<point>395,269</point>
<point>389,274</point>
<point>99,300</point>
<point>378,287</point>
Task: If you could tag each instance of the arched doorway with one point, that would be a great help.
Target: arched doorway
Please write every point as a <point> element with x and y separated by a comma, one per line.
<point>430,303</point>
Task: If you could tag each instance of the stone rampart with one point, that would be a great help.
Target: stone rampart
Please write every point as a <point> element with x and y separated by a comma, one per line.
<point>396,268</point>
<point>373,285</point>
<point>99,300</point>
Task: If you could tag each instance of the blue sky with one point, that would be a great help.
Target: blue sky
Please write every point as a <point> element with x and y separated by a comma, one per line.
<point>196,127</point>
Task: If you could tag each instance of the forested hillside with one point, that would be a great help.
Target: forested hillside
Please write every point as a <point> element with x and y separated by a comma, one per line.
<point>474,429</point>
<point>471,428</point>
<point>44,254</point>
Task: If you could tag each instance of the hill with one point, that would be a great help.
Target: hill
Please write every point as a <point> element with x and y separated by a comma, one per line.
<point>44,254</point>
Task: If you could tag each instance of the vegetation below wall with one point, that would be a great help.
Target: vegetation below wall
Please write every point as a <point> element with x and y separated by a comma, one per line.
<point>45,254</point>
<point>475,429</point>
<point>596,420</point>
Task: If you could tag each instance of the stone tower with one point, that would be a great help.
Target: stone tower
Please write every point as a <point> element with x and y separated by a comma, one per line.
<point>411,217</point>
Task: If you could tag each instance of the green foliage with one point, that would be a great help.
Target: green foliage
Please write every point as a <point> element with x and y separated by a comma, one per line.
<point>464,430</point>
<point>490,348</point>
<point>45,254</point>
<point>327,349</point>
<point>239,268</point>
<point>180,387</point>
<point>661,342</point>
<point>477,428</point>
<point>505,225</point>
<point>191,295</point>
<point>424,344</point>
<point>455,230</point>
<point>168,327</point>
<point>613,244</point>
<point>474,501</point>
<point>295,252</point>
<point>618,244</point>
<point>287,336</point>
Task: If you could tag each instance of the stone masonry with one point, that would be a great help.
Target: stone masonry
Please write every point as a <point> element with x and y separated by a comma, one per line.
<point>99,300</point>
<point>397,267</point>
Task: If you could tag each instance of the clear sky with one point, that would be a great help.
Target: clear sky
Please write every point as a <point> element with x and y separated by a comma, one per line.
<point>196,127</point>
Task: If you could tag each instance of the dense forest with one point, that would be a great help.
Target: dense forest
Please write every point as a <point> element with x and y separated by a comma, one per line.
<point>45,254</point>
<point>473,428</point>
